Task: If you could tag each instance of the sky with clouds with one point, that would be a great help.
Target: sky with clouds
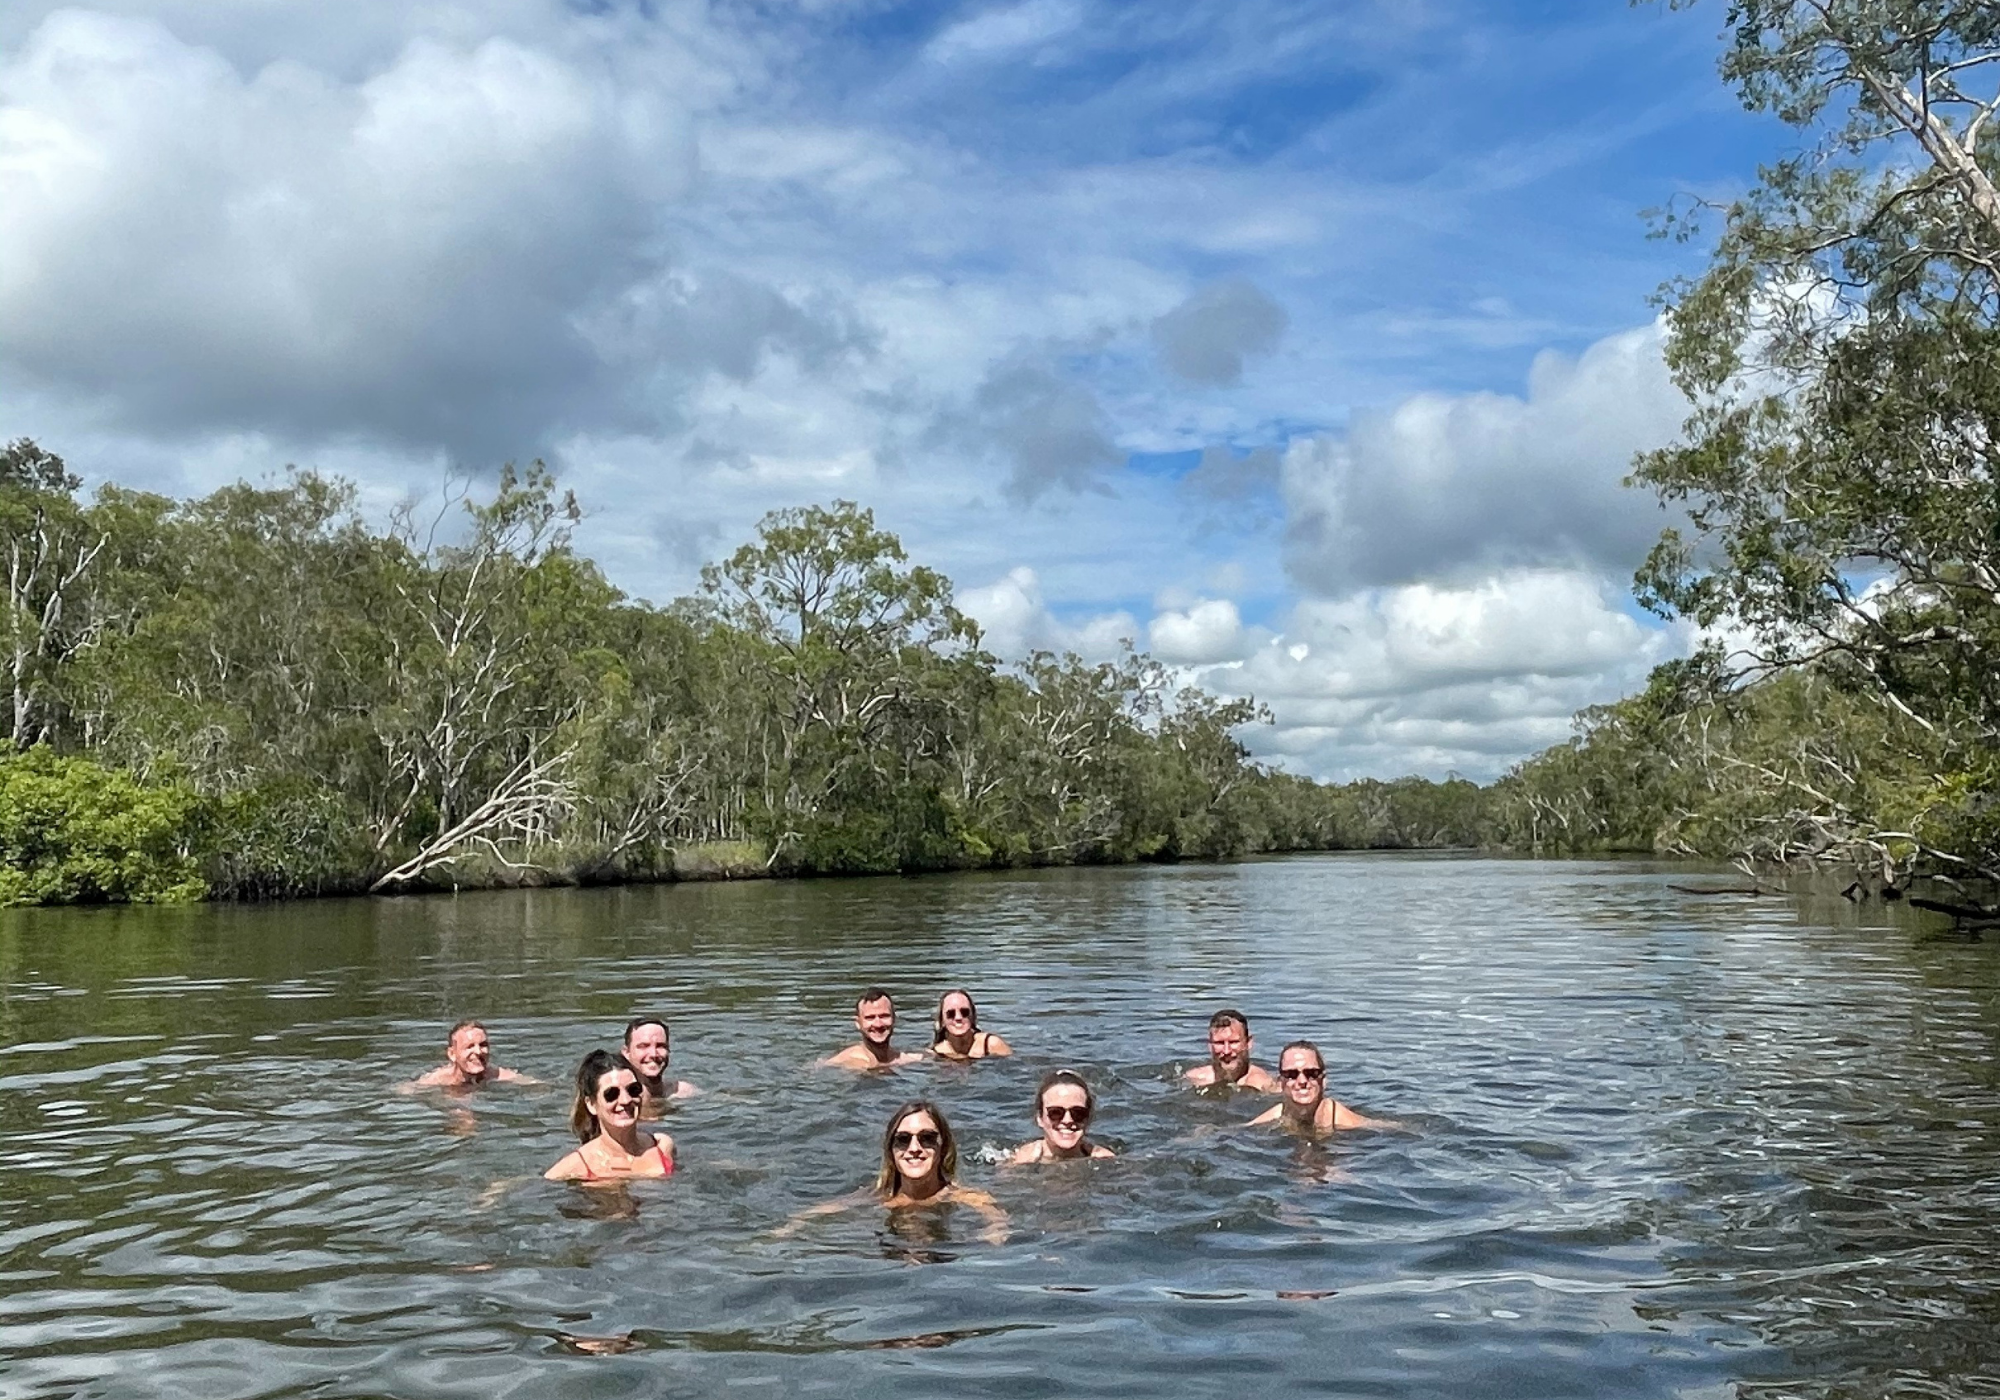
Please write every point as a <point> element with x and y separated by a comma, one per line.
<point>1303,344</point>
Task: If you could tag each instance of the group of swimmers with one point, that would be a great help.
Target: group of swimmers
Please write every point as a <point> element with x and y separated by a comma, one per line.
<point>615,1091</point>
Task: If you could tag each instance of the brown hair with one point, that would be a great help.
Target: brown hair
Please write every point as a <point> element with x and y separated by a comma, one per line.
<point>1303,1045</point>
<point>889,1180</point>
<point>638,1021</point>
<point>589,1074</point>
<point>1064,1076</point>
<point>1227,1015</point>
<point>938,1036</point>
<point>873,994</point>
<point>468,1024</point>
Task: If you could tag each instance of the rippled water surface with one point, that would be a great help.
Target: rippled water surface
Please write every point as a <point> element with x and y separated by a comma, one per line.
<point>1661,1144</point>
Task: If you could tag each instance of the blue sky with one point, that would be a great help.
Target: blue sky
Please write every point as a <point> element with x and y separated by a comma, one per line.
<point>1305,344</point>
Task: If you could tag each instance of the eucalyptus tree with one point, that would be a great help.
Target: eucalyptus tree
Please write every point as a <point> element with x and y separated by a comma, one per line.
<point>51,547</point>
<point>1842,353</point>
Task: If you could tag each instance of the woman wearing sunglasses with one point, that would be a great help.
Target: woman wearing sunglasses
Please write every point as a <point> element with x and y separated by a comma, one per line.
<point>1063,1106</point>
<point>605,1119</point>
<point>955,1033</point>
<point>919,1164</point>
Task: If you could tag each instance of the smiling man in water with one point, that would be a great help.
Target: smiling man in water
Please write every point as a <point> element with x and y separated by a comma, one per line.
<point>468,1062</point>
<point>875,1018</point>
<point>1229,1047</point>
<point>1306,1107</point>
<point>646,1051</point>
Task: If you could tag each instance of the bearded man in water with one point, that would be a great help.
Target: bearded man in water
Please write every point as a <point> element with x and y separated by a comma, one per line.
<point>1306,1108</point>
<point>646,1051</point>
<point>468,1063</point>
<point>1229,1047</point>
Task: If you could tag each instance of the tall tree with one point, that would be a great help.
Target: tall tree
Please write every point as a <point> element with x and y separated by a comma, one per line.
<point>1841,465</point>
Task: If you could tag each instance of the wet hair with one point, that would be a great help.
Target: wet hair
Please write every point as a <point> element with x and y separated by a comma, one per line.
<point>1064,1076</point>
<point>938,1037</point>
<point>638,1021</point>
<point>468,1024</point>
<point>890,1180</point>
<point>873,994</point>
<point>589,1075</point>
<point>1303,1045</point>
<point>1227,1015</point>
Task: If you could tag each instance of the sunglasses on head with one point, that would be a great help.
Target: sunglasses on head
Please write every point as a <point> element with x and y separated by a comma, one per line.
<point>1065,1113</point>
<point>1303,1072</point>
<point>926,1138</point>
<point>611,1093</point>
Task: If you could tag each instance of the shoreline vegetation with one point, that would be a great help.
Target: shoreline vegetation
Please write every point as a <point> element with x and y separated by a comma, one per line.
<point>257,695</point>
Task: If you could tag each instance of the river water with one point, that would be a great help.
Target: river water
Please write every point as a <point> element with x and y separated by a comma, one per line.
<point>1661,1144</point>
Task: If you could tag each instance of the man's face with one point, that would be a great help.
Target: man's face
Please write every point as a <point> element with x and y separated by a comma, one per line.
<point>1229,1048</point>
<point>1303,1077</point>
<point>646,1048</point>
<point>876,1020</point>
<point>468,1052</point>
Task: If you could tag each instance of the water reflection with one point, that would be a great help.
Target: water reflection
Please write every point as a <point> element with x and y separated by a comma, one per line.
<point>1661,1146</point>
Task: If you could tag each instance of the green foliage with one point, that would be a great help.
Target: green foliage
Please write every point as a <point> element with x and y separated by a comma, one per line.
<point>462,699</point>
<point>73,831</point>
<point>1840,468</point>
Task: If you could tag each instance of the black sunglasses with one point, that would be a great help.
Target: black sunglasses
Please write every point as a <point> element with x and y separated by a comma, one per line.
<point>926,1138</point>
<point>1064,1113</point>
<point>1306,1072</point>
<point>611,1093</point>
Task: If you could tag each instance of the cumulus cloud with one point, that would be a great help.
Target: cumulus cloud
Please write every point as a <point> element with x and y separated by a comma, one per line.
<point>1207,632</point>
<point>412,255</point>
<point>1454,486</point>
<point>1434,679</point>
<point>1206,338</point>
<point>1016,620</point>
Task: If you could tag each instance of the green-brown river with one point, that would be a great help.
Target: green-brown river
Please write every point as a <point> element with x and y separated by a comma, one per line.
<point>1662,1144</point>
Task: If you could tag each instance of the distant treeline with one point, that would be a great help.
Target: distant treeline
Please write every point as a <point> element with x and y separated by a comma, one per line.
<point>256,694</point>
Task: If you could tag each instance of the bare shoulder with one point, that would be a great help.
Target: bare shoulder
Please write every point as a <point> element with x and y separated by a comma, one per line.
<point>852,1057</point>
<point>513,1076</point>
<point>570,1168</point>
<point>996,1046</point>
<point>1027,1153</point>
<point>684,1090</point>
<point>1345,1117</point>
<point>1098,1152</point>
<point>1260,1079</point>
<point>973,1196</point>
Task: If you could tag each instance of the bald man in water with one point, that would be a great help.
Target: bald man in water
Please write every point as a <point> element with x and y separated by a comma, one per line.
<point>468,1063</point>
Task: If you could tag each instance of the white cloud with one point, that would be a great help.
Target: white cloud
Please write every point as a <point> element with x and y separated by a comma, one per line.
<point>1016,620</point>
<point>1425,678</point>
<point>1005,30</point>
<point>1207,632</point>
<point>1454,486</point>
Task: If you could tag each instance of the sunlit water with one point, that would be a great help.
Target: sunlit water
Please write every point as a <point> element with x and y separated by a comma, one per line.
<point>1662,1145</point>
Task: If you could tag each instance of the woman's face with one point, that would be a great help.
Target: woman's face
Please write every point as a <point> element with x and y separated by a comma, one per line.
<point>956,1012</point>
<point>1064,1115</point>
<point>616,1102</point>
<point>916,1145</point>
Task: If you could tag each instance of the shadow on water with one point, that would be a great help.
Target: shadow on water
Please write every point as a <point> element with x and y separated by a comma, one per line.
<point>1661,1145</point>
